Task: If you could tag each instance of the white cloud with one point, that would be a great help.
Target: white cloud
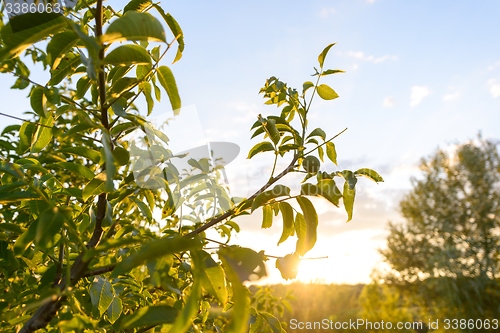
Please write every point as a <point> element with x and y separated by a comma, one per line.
<point>370,58</point>
<point>418,93</point>
<point>451,96</point>
<point>495,65</point>
<point>389,102</point>
<point>327,11</point>
<point>370,1</point>
<point>494,86</point>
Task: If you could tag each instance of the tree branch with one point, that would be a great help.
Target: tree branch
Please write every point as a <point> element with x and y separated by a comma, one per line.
<point>48,311</point>
<point>230,212</point>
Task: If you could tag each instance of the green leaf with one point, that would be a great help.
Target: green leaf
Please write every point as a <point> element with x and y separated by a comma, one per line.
<point>78,169</point>
<point>88,153</point>
<point>175,29</point>
<point>306,85</point>
<point>101,294</point>
<point>288,266</point>
<point>121,156</point>
<point>267,196</point>
<point>211,274</point>
<point>259,148</point>
<point>12,169</point>
<point>329,191</point>
<point>17,196</point>
<point>156,249</point>
<point>66,67</point>
<point>311,222</point>
<point>301,231</point>
<point>245,262</point>
<point>322,55</point>
<point>327,93</point>
<point>147,91</point>
<point>349,177</point>
<point>122,85</point>
<point>331,71</point>
<point>190,309</point>
<point>287,215</point>
<point>59,45</point>
<point>241,301</point>
<point>94,187</point>
<point>267,217</point>
<point>82,86</point>
<point>115,309</point>
<point>129,54</point>
<point>167,81</point>
<point>331,152</point>
<point>317,132</point>
<point>109,159</point>
<point>38,101</point>
<point>270,128</point>
<point>143,208</point>
<point>26,135</point>
<point>369,173</point>
<point>137,5</point>
<point>135,26</point>
<point>348,198</point>
<point>48,227</point>
<point>149,316</point>
<point>273,322</point>
<point>42,25</point>
<point>24,241</point>
<point>43,134</point>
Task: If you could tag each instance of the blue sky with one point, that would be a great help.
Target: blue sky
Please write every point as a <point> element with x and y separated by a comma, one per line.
<point>419,74</point>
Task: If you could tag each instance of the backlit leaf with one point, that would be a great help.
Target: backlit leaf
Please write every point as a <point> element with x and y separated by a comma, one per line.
<point>348,198</point>
<point>149,316</point>
<point>129,54</point>
<point>369,173</point>
<point>101,294</point>
<point>327,93</point>
<point>43,134</point>
<point>212,276</point>
<point>135,26</point>
<point>49,226</point>
<point>94,187</point>
<point>288,266</point>
<point>66,67</point>
<point>16,40</point>
<point>267,196</point>
<point>317,132</point>
<point>311,220</point>
<point>267,217</point>
<point>259,148</point>
<point>331,152</point>
<point>115,309</point>
<point>175,29</point>
<point>167,81</point>
<point>322,55</point>
<point>59,45</point>
<point>38,101</point>
<point>156,249</point>
<point>77,169</point>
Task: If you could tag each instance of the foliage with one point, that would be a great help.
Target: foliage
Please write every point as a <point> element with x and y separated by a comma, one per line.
<point>446,254</point>
<point>314,302</point>
<point>81,242</point>
<point>385,303</point>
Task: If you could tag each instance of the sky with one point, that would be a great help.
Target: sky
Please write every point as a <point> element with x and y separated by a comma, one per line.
<point>419,75</point>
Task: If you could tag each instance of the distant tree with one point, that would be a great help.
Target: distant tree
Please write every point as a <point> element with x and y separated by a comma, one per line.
<point>446,255</point>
